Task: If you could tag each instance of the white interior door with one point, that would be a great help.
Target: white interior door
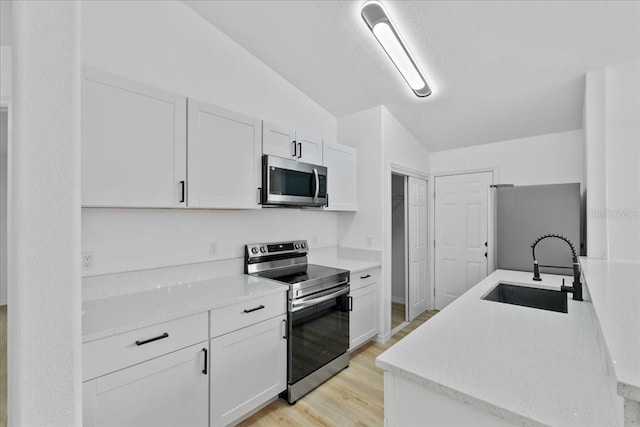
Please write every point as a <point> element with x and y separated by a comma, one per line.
<point>461,211</point>
<point>418,290</point>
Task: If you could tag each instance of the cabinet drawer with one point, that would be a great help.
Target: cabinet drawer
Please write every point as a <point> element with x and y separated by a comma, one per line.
<point>110,354</point>
<point>364,278</point>
<point>236,316</point>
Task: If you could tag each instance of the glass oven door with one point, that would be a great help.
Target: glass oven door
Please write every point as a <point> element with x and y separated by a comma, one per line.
<point>318,332</point>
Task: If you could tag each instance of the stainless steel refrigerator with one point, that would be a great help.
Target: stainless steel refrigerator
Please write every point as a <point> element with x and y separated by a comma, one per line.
<point>524,213</point>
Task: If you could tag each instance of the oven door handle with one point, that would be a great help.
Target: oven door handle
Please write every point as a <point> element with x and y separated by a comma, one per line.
<point>342,291</point>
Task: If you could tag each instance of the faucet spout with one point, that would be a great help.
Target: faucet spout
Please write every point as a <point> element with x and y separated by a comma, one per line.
<point>576,289</point>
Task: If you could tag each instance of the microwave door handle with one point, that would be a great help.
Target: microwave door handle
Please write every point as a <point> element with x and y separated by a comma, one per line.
<point>317,178</point>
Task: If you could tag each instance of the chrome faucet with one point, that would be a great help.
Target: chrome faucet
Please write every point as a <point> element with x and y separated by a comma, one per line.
<point>576,289</point>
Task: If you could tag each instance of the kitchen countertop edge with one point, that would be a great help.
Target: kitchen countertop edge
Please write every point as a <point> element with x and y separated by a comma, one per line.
<point>271,287</point>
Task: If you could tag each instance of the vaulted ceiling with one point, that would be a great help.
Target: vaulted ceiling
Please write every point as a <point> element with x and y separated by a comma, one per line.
<point>500,70</point>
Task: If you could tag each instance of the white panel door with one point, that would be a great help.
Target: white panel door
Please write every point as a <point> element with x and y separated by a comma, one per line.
<point>309,149</point>
<point>461,212</point>
<point>133,143</point>
<point>279,141</point>
<point>248,368</point>
<point>224,158</point>
<point>342,169</point>
<point>171,390</point>
<point>418,284</point>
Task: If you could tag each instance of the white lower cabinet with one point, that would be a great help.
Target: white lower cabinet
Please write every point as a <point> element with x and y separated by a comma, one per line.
<point>363,322</point>
<point>170,390</point>
<point>248,368</point>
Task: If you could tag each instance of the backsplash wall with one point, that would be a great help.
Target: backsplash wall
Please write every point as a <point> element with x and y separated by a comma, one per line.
<point>124,240</point>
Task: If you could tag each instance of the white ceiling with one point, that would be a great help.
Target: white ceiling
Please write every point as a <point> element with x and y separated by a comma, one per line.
<point>499,70</point>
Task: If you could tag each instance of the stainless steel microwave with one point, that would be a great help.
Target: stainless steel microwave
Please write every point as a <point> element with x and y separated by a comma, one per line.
<point>287,182</point>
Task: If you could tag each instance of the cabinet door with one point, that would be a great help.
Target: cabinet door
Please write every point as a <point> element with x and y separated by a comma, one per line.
<point>170,390</point>
<point>278,141</point>
<point>248,368</point>
<point>342,169</point>
<point>133,143</point>
<point>363,320</point>
<point>224,158</point>
<point>309,148</point>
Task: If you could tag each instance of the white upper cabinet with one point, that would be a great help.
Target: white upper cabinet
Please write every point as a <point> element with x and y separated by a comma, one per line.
<point>284,142</point>
<point>278,141</point>
<point>309,149</point>
<point>342,171</point>
<point>133,143</point>
<point>224,158</point>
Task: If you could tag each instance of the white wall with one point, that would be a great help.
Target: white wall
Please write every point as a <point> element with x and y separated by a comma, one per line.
<point>44,316</point>
<point>400,149</point>
<point>363,229</point>
<point>612,122</point>
<point>166,44</point>
<point>126,240</point>
<point>381,141</point>
<point>595,174</point>
<point>546,159</point>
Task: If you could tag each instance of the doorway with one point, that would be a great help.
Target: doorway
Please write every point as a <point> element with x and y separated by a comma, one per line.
<point>409,279</point>
<point>398,251</point>
<point>4,142</point>
<point>461,233</point>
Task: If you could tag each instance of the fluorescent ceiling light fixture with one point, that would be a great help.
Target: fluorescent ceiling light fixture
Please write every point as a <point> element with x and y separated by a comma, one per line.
<point>387,35</point>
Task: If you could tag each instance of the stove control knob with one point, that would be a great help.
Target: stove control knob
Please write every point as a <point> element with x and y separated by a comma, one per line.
<point>297,245</point>
<point>254,250</point>
<point>303,245</point>
<point>263,249</point>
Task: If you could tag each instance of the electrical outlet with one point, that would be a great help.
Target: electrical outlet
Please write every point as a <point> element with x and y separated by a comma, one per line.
<point>213,248</point>
<point>87,261</point>
<point>314,240</point>
<point>369,241</point>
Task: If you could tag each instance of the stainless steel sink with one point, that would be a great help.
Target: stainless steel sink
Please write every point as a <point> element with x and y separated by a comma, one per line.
<point>544,299</point>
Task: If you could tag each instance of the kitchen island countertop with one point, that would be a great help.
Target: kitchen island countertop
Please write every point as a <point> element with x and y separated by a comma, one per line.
<point>521,364</point>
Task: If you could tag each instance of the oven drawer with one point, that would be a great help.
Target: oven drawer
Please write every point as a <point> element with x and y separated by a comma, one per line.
<point>245,313</point>
<point>116,352</point>
<point>364,278</point>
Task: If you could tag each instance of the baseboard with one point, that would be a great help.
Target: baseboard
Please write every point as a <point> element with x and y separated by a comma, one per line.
<point>398,300</point>
<point>382,339</point>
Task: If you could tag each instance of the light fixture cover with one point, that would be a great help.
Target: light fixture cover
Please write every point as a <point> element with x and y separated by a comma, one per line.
<point>387,35</point>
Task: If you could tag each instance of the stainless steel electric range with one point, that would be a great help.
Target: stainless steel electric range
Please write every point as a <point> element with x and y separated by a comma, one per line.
<point>318,312</point>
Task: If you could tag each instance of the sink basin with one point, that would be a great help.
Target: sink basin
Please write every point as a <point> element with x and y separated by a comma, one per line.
<point>544,299</point>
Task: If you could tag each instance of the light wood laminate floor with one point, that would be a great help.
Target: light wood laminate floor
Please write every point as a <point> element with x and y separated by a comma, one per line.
<point>3,365</point>
<point>354,397</point>
<point>398,315</point>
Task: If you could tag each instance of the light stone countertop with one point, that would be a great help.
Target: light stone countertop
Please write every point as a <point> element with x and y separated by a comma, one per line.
<point>614,287</point>
<point>117,314</point>
<point>354,266</point>
<point>529,366</point>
